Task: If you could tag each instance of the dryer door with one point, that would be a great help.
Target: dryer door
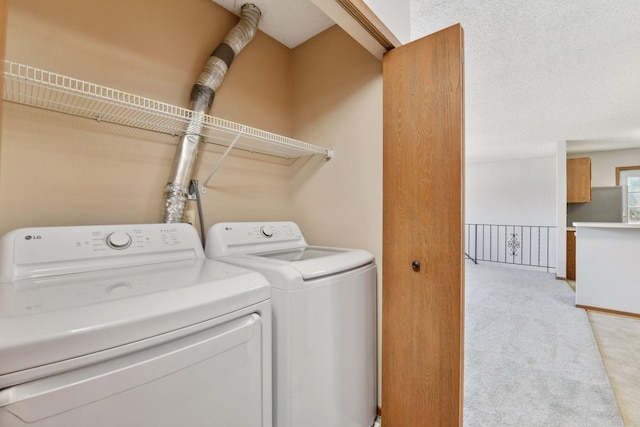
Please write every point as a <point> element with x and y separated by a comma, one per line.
<point>210,378</point>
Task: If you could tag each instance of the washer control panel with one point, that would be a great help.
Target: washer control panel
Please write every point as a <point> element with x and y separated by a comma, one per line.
<point>226,238</point>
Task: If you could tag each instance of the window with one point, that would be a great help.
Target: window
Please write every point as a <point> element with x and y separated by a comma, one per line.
<point>629,176</point>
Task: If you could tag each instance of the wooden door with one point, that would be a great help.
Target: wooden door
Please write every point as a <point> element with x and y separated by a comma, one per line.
<point>423,218</point>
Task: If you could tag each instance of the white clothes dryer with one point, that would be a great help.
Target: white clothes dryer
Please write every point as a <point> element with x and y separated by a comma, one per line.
<point>130,326</point>
<point>324,321</point>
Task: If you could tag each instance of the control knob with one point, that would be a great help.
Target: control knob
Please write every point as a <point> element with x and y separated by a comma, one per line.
<point>266,231</point>
<point>119,240</point>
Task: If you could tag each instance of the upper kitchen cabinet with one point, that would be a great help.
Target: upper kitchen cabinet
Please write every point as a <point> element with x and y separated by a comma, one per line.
<point>579,180</point>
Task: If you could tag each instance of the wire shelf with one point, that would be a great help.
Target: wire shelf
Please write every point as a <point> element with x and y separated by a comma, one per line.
<point>27,85</point>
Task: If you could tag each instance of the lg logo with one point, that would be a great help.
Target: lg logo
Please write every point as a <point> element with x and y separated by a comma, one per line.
<point>32,237</point>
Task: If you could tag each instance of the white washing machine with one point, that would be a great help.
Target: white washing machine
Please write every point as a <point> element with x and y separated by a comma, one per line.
<point>130,325</point>
<point>324,322</point>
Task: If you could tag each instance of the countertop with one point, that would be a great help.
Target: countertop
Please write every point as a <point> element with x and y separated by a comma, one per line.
<point>606,225</point>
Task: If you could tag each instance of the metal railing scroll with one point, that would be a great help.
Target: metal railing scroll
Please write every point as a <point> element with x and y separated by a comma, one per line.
<point>526,245</point>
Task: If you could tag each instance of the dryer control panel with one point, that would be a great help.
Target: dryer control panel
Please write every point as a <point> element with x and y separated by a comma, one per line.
<point>51,251</point>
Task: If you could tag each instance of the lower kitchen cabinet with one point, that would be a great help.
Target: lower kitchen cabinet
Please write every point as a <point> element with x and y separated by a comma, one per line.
<point>571,255</point>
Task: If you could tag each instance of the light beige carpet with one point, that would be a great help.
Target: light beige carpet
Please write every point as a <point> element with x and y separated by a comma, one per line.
<point>531,358</point>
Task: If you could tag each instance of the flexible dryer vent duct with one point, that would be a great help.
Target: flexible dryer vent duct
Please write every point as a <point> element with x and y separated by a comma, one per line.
<point>176,191</point>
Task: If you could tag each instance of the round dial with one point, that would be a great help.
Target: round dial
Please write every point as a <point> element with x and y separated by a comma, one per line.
<point>119,240</point>
<point>266,231</point>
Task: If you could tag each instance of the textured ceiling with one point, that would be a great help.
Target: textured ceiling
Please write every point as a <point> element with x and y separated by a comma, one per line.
<point>536,72</point>
<point>540,72</point>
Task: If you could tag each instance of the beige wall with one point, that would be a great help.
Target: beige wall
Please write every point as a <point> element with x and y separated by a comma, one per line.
<point>338,103</point>
<point>61,170</point>
<point>3,33</point>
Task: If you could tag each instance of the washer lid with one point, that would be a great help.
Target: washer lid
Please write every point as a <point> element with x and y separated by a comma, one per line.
<point>318,261</point>
<point>279,246</point>
<point>302,254</point>
<point>47,320</point>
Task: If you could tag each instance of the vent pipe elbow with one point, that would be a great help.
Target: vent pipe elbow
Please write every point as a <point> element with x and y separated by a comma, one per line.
<point>176,191</point>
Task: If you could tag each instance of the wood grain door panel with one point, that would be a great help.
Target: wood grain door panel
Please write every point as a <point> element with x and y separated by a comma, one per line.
<point>579,180</point>
<point>422,323</point>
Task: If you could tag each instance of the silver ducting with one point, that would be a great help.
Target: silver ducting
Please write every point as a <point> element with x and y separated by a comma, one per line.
<point>202,94</point>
